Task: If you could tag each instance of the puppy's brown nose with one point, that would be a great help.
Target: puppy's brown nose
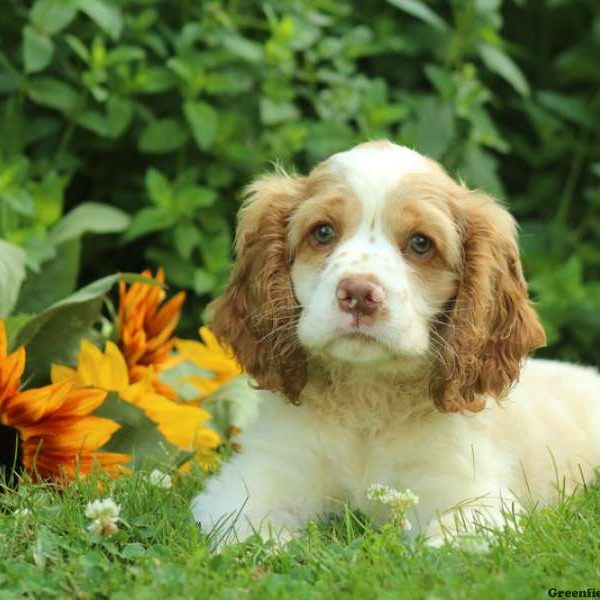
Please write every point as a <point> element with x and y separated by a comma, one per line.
<point>359,296</point>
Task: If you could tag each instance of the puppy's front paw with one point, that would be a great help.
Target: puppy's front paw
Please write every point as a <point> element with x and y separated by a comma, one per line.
<point>238,525</point>
<point>444,531</point>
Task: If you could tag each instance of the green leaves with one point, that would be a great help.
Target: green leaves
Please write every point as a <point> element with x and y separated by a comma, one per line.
<point>573,108</point>
<point>168,110</point>
<point>163,135</point>
<point>246,49</point>
<point>272,112</point>
<point>105,14</point>
<point>421,11</point>
<point>53,247</point>
<point>55,279</point>
<point>149,220</point>
<point>498,61</point>
<point>431,129</point>
<point>50,92</point>
<point>52,16</point>
<point>37,50</point>
<point>159,188</point>
<point>204,122</point>
<point>54,335</point>
<point>12,274</point>
<point>89,217</point>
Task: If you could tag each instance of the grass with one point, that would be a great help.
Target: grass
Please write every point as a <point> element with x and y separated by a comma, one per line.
<point>159,552</point>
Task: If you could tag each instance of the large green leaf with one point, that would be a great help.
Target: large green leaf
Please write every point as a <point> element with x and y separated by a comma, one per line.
<point>119,116</point>
<point>272,112</point>
<point>159,188</point>
<point>53,93</point>
<point>164,135</point>
<point>54,335</point>
<point>242,47</point>
<point>90,217</point>
<point>52,16</point>
<point>499,62</point>
<point>38,49</point>
<point>56,279</point>
<point>148,220</point>
<point>105,13</point>
<point>204,122</point>
<point>421,11</point>
<point>571,107</point>
<point>14,323</point>
<point>431,129</point>
<point>12,275</point>
<point>192,197</point>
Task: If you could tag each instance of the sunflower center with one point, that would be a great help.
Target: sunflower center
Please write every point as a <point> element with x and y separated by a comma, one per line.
<point>10,454</point>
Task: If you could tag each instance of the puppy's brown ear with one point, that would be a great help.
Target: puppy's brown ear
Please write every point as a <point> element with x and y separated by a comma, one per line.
<point>258,313</point>
<point>491,326</point>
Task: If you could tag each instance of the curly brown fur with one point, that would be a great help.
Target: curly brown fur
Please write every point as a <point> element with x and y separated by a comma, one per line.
<point>491,326</point>
<point>258,313</point>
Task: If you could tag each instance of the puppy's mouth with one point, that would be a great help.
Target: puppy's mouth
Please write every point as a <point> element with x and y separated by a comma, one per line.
<point>358,347</point>
<point>359,336</point>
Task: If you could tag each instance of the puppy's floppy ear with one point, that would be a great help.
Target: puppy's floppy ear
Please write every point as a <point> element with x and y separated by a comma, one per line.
<point>258,313</point>
<point>491,325</point>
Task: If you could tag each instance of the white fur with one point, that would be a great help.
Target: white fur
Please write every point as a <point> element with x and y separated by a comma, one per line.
<point>298,465</point>
<point>377,423</point>
<point>374,169</point>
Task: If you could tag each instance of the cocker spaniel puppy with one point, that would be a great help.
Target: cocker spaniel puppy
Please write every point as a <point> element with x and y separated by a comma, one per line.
<point>382,308</point>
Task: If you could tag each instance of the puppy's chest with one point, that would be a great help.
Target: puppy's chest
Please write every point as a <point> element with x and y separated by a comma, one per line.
<point>358,459</point>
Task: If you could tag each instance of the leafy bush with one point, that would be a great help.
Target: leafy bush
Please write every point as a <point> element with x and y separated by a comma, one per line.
<point>163,110</point>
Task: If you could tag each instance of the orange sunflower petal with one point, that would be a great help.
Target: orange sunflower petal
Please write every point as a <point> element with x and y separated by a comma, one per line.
<point>11,370</point>
<point>58,465</point>
<point>82,401</point>
<point>70,434</point>
<point>34,405</point>
<point>146,324</point>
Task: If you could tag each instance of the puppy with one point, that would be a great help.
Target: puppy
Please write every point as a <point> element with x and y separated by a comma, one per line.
<point>382,308</point>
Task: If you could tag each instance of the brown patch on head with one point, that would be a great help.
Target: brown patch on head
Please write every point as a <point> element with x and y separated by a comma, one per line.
<point>256,315</point>
<point>420,206</point>
<point>328,201</point>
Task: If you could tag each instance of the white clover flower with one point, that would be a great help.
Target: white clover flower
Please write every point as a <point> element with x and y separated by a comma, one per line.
<point>100,509</point>
<point>22,513</point>
<point>399,502</point>
<point>160,479</point>
<point>391,496</point>
<point>105,515</point>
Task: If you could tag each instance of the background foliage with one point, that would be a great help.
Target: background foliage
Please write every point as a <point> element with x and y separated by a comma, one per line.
<point>138,121</point>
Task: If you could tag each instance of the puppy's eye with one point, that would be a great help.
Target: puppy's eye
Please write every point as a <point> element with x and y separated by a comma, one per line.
<point>420,244</point>
<point>323,234</point>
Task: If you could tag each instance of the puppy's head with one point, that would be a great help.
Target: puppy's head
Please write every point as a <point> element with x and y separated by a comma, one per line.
<point>378,258</point>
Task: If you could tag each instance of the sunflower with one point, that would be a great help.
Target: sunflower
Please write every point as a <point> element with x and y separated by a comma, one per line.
<point>182,425</point>
<point>58,435</point>
<point>146,326</point>
<point>211,356</point>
